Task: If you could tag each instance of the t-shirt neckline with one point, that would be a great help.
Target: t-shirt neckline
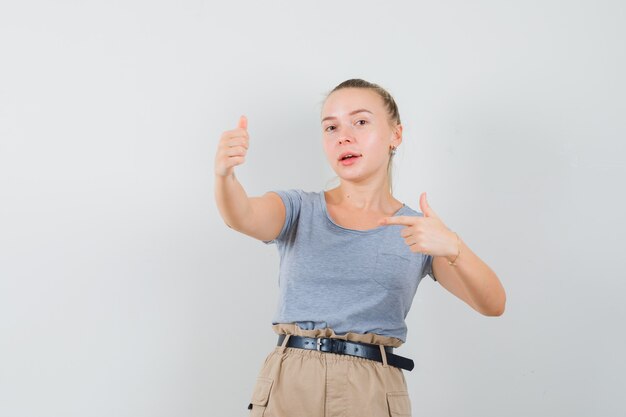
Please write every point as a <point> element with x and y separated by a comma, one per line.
<point>365,232</point>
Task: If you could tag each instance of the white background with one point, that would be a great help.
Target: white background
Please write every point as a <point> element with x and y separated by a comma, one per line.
<point>122,291</point>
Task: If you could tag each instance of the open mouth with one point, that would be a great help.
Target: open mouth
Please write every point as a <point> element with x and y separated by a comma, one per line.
<point>349,159</point>
<point>349,155</point>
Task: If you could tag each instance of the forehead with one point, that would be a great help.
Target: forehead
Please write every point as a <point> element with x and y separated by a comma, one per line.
<point>345,100</point>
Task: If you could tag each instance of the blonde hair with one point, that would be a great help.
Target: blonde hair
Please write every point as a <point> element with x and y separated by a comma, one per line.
<point>390,105</point>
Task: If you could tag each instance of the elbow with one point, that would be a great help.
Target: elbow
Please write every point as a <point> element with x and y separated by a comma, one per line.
<point>496,313</point>
<point>497,310</point>
<point>497,307</point>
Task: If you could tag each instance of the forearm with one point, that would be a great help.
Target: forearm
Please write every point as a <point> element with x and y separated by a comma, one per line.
<point>232,200</point>
<point>481,283</point>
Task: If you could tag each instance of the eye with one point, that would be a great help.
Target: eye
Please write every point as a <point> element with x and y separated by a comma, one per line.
<point>328,127</point>
<point>362,121</point>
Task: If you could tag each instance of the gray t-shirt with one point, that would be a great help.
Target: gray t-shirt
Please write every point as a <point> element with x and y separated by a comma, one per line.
<point>360,281</point>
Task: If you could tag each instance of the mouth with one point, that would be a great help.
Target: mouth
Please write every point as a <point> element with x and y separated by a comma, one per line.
<point>349,159</point>
<point>347,156</point>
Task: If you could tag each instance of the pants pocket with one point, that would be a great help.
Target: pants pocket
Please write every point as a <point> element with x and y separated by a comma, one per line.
<point>260,396</point>
<point>399,404</point>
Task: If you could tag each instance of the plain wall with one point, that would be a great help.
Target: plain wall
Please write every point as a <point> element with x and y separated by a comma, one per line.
<point>122,291</point>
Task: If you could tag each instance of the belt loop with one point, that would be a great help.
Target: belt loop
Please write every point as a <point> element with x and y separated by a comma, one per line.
<point>282,347</point>
<point>384,356</point>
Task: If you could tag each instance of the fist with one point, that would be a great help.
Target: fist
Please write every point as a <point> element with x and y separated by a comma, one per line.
<point>232,148</point>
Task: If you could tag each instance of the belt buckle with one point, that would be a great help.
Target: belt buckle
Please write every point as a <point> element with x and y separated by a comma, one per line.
<point>318,343</point>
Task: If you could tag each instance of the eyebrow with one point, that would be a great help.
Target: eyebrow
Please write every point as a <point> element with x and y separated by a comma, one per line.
<point>351,113</point>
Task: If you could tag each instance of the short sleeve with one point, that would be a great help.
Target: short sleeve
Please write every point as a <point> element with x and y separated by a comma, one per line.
<point>427,267</point>
<point>292,199</point>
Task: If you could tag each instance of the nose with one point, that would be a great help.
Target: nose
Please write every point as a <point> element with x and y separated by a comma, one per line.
<point>344,134</point>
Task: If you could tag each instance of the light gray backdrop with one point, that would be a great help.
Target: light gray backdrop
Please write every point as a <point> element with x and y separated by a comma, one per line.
<point>122,291</point>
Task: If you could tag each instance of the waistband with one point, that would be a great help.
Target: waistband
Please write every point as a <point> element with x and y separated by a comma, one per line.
<point>372,338</point>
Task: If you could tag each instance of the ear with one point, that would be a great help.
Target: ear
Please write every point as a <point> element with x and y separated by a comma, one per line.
<point>397,135</point>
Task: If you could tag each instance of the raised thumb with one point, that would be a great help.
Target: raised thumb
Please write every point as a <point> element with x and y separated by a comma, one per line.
<point>243,122</point>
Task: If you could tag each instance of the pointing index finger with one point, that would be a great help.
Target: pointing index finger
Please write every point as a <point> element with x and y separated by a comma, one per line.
<point>404,220</point>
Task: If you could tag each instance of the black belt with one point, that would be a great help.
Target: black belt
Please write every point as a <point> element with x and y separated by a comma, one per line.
<point>347,347</point>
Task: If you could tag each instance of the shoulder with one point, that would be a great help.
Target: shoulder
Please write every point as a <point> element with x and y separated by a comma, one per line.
<point>295,197</point>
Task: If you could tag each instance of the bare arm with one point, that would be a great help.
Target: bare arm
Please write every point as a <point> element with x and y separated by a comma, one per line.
<point>258,217</point>
<point>472,280</point>
<point>232,201</point>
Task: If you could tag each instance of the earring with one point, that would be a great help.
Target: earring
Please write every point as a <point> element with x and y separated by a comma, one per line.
<point>393,150</point>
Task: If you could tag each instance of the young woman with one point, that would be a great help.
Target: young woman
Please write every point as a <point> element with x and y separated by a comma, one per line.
<point>351,260</point>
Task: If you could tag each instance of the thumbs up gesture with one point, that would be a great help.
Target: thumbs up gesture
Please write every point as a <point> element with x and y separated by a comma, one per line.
<point>427,233</point>
<point>232,148</point>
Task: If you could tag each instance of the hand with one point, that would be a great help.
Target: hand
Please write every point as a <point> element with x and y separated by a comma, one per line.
<point>232,148</point>
<point>426,234</point>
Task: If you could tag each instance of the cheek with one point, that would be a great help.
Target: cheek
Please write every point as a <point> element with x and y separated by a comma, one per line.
<point>372,141</point>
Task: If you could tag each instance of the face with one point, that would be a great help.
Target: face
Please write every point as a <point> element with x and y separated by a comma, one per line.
<point>366,133</point>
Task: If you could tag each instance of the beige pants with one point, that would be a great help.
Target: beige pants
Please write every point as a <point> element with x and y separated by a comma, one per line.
<point>296,382</point>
